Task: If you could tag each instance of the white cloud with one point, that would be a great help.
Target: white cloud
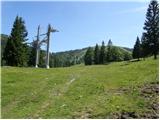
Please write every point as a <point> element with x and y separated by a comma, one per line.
<point>134,10</point>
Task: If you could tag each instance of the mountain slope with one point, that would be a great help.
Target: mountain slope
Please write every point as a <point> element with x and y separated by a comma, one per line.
<point>72,57</point>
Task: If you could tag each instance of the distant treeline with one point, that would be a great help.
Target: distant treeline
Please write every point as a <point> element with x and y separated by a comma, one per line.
<point>105,54</point>
<point>59,59</point>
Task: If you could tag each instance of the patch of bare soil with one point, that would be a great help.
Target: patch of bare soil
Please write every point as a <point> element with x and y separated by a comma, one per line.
<point>84,114</point>
<point>124,115</point>
<point>151,94</point>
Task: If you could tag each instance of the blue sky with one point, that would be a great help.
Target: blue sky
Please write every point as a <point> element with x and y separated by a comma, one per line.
<point>81,24</point>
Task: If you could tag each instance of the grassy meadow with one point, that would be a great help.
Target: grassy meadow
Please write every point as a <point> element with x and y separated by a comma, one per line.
<point>116,90</point>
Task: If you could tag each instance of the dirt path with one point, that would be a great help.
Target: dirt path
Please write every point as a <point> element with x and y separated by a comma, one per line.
<point>54,93</point>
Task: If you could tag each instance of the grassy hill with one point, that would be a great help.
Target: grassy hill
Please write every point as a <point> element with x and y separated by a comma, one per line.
<point>117,90</point>
<point>72,57</point>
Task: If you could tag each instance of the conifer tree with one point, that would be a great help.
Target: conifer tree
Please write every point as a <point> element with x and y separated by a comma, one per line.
<point>109,51</point>
<point>96,54</point>
<point>151,27</point>
<point>88,58</point>
<point>15,52</point>
<point>42,58</point>
<point>137,49</point>
<point>102,54</point>
<point>145,51</point>
<point>32,54</point>
<point>109,43</point>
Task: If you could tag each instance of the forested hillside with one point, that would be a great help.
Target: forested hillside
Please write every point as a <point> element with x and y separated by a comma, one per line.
<point>67,58</point>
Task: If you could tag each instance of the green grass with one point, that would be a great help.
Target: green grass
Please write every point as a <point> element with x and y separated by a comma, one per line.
<point>96,91</point>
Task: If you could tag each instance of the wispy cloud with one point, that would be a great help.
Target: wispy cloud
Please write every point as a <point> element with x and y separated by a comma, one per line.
<point>134,10</point>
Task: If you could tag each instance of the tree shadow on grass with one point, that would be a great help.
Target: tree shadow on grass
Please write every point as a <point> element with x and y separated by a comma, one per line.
<point>135,60</point>
<point>129,62</point>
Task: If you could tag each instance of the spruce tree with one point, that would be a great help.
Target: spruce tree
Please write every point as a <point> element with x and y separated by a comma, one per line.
<point>151,27</point>
<point>42,58</point>
<point>15,52</point>
<point>51,60</point>
<point>109,43</point>
<point>145,51</point>
<point>102,54</point>
<point>137,49</point>
<point>109,51</point>
<point>88,58</point>
<point>96,54</point>
<point>32,54</point>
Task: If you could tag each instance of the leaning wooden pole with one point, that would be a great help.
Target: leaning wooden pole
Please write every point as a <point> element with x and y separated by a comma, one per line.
<point>48,42</point>
<point>37,48</point>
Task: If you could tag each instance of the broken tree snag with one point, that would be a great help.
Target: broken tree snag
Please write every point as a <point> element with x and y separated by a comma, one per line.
<point>45,40</point>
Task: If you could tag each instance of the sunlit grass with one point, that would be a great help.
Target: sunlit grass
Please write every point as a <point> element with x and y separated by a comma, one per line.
<point>75,92</point>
